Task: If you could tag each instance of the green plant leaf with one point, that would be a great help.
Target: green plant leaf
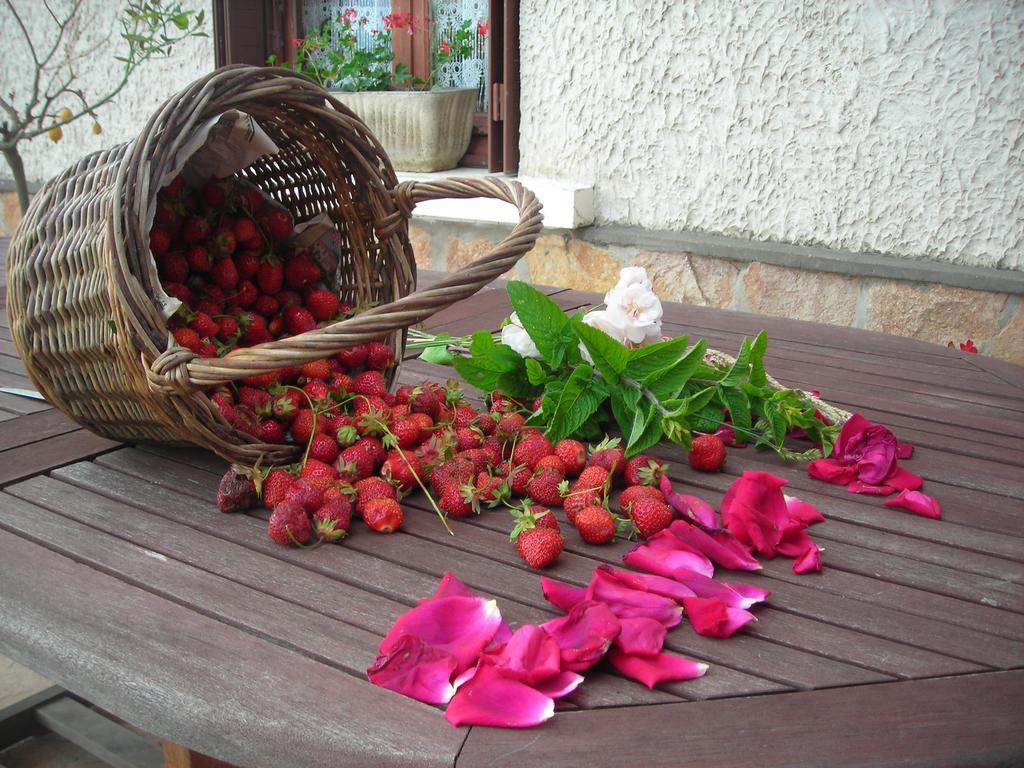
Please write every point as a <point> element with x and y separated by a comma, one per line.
<point>487,362</point>
<point>739,368</point>
<point>535,372</point>
<point>646,430</point>
<point>543,320</point>
<point>643,361</point>
<point>437,354</point>
<point>758,375</point>
<point>610,356</point>
<point>739,407</point>
<point>577,402</point>
<point>669,382</point>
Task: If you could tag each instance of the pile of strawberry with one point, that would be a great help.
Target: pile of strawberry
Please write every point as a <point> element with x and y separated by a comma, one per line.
<point>223,251</point>
<point>367,449</point>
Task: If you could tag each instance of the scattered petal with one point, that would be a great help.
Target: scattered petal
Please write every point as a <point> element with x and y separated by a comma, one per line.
<point>904,480</point>
<point>494,700</point>
<point>651,670</point>
<point>794,542</point>
<point>858,486</point>
<point>918,503</point>
<point>459,626</point>
<point>559,685</point>
<point>666,553</point>
<point>809,561</point>
<point>750,593</point>
<point>754,510</point>
<point>868,446</point>
<point>804,511</point>
<point>722,549</point>
<point>832,471</point>
<point>585,635</point>
<point>451,586</point>
<point>415,669</point>
<point>690,507</point>
<point>711,617</point>
<point>904,450</point>
<point>614,589</point>
<point>737,596</point>
<point>641,636</point>
<point>560,595</point>
<point>659,585</point>
<point>530,655</point>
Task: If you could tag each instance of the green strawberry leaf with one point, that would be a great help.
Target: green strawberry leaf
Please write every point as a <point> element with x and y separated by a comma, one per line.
<point>545,322</point>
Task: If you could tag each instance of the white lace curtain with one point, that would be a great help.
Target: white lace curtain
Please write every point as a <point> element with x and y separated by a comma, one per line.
<point>446,16</point>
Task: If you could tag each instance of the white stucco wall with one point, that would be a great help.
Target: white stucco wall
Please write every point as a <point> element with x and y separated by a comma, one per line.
<point>121,119</point>
<point>866,125</point>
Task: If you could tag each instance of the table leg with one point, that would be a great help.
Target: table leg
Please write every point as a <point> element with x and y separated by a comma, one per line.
<point>177,756</point>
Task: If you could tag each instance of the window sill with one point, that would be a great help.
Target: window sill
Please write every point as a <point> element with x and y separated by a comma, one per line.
<point>567,205</point>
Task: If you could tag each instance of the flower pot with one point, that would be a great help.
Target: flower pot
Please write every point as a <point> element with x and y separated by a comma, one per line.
<point>420,130</point>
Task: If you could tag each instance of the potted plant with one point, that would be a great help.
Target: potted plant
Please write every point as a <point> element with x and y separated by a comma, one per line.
<point>422,126</point>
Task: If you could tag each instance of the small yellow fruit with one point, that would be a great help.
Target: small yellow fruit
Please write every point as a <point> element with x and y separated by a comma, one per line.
<point>55,134</point>
<point>97,128</point>
<point>64,114</point>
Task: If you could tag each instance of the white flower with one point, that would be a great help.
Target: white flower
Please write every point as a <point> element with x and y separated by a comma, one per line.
<point>631,276</point>
<point>515,336</point>
<point>602,321</point>
<point>637,310</point>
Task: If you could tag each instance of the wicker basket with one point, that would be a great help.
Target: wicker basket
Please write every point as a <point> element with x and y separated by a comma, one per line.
<point>81,293</point>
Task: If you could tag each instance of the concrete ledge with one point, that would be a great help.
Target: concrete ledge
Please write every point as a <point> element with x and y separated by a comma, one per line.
<point>814,258</point>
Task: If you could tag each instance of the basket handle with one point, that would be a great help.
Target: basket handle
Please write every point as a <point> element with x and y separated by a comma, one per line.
<point>180,370</point>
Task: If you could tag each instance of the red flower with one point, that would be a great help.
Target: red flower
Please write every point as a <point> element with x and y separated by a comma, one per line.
<point>350,15</point>
<point>445,48</point>
<point>483,27</point>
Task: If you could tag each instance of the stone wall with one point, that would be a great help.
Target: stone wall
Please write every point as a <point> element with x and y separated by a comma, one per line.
<point>928,311</point>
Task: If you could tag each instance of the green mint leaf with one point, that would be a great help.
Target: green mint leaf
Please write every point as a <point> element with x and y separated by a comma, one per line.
<point>610,356</point>
<point>516,384</point>
<point>644,361</point>
<point>543,320</point>
<point>739,368</point>
<point>482,378</point>
<point>577,403</point>
<point>698,402</point>
<point>493,356</point>
<point>758,375</point>
<point>535,372</point>
<point>738,405</point>
<point>669,382</point>
<point>646,430</point>
<point>438,353</point>
<point>708,419</point>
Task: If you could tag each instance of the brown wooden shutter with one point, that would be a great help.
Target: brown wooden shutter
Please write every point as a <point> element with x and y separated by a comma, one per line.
<point>249,31</point>
<point>503,76</point>
<point>413,50</point>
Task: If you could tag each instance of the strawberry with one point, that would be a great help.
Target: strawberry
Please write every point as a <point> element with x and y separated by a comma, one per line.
<point>318,473</point>
<point>298,320</point>
<point>519,478</point>
<point>407,432</point>
<point>595,524</point>
<point>275,486</point>
<point>573,455</point>
<point>454,473</point>
<point>324,448</point>
<point>503,403</point>
<point>635,492</point>
<point>650,516</point>
<point>248,264</point>
<point>276,222</point>
<point>168,217</point>
<point>468,438</point>
<point>402,469</point>
<point>707,453</point>
<point>491,489</point>
<point>607,454</point>
<point>188,338</point>
<point>592,478</point>
<point>266,305</point>
<point>271,431</point>
<point>270,275</point>
<point>370,488</point>
<point>453,502</point>
<point>354,464</point>
<point>255,331</point>
<point>300,271</point>
<point>378,356</point>
<point>247,292</point>
<point>224,274</point>
<point>275,327</point>
<point>540,547</point>
<point>303,426</point>
<point>315,369</point>
<point>223,242</point>
<point>199,259</point>
<point>159,241</point>
<point>509,427</point>
<point>179,291</point>
<point>543,487</point>
<point>374,448</point>
<point>236,492</point>
<point>531,450</point>
<point>383,515</point>
<point>552,461</point>
<point>643,470</point>
<point>306,494</point>
<point>322,304</point>
<point>339,383</point>
<point>214,193</point>
<point>196,229</point>
<point>353,357</point>
<point>341,493</point>
<point>173,190</point>
<point>529,517</point>
<point>289,525</point>
<point>577,500</point>
<point>479,457</point>
<point>173,267</point>
<point>204,325</point>
<point>244,229</point>
<point>331,522</point>
<point>370,383</point>
<point>423,421</point>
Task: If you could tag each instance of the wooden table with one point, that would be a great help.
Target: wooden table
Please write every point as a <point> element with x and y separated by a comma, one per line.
<point>120,581</point>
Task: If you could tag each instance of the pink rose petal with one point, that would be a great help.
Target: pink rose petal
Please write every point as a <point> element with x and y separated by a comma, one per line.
<point>794,543</point>
<point>659,585</point>
<point>614,589</point>
<point>727,435</point>
<point>459,626</point>
<point>559,685</point>
<point>918,503</point>
<point>749,593</point>
<point>562,596</point>
<point>803,511</point>
<point>494,700</point>
<point>858,486</point>
<point>669,552</point>
<point>641,636</point>
<point>415,669</point>
<point>832,471</point>
<point>450,586</point>
<point>651,670</point>
<point>711,617</point>
<point>904,480</point>
<point>531,654</point>
<point>809,561</point>
<point>585,635</point>
<point>690,507</point>
<point>738,596</point>
<point>868,446</point>
<point>754,510</point>
<point>722,549</point>
<point>904,450</point>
